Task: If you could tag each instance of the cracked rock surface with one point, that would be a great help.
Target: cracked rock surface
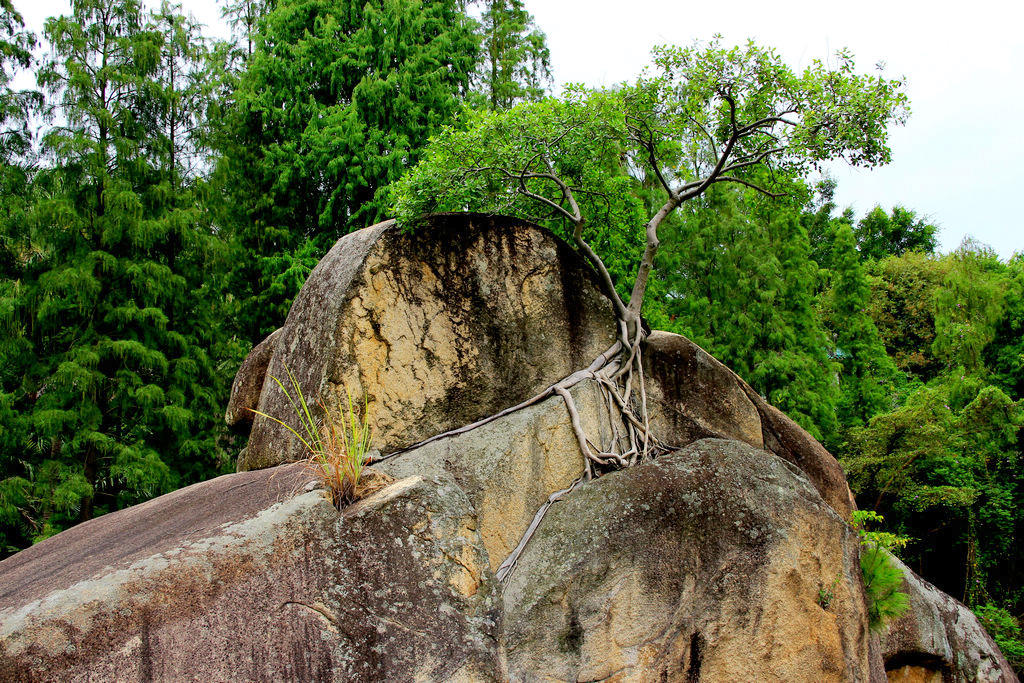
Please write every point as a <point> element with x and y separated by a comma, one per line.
<point>284,587</point>
<point>435,329</point>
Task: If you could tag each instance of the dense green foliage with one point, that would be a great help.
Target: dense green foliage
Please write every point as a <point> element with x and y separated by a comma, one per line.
<point>943,464</point>
<point>333,104</point>
<point>109,379</point>
<point>1006,630</point>
<point>515,64</point>
<point>736,277</point>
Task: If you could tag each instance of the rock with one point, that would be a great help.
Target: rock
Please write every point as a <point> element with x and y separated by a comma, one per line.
<point>509,467</point>
<point>791,442</point>
<point>248,384</point>
<point>247,577</point>
<point>694,396</point>
<point>434,329</point>
<point>939,639</point>
<point>726,560</point>
<point>712,563</point>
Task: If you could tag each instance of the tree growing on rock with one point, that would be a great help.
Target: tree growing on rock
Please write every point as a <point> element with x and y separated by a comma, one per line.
<point>607,169</point>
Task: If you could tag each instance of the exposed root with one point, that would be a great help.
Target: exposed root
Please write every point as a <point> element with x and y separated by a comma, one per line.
<point>636,445</point>
<point>566,383</point>
<point>619,374</point>
<point>506,568</point>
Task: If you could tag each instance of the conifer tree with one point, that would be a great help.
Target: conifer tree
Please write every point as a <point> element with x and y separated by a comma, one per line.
<point>820,223</point>
<point>867,375</point>
<point>18,258</point>
<point>741,284</point>
<point>116,404</point>
<point>1005,354</point>
<point>179,99</point>
<point>336,102</point>
<point>243,17</point>
<point>515,63</point>
<point>16,109</point>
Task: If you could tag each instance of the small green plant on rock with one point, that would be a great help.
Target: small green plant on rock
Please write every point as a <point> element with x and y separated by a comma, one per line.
<point>882,578</point>
<point>337,445</point>
<point>827,594</point>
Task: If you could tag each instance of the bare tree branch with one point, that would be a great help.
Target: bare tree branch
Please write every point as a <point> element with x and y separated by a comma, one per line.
<point>753,186</point>
<point>760,123</point>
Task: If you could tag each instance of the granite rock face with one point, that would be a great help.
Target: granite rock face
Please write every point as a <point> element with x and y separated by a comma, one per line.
<point>939,639</point>
<point>434,329</point>
<point>694,396</point>
<point>706,564</point>
<point>509,467</point>
<point>250,577</point>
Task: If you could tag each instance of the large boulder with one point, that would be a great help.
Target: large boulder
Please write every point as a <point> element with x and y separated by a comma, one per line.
<point>726,560</point>
<point>248,384</point>
<point>467,316</point>
<point>433,329</point>
<point>694,396</point>
<point>508,468</point>
<point>719,562</point>
<point>939,639</point>
<point>250,577</point>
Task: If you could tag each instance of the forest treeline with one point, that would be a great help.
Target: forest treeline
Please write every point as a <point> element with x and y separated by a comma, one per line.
<point>164,196</point>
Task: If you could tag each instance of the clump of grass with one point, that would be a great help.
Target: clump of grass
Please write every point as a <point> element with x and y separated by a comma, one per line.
<point>337,444</point>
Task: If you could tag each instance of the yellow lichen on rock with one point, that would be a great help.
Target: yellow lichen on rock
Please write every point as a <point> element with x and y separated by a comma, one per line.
<point>510,467</point>
<point>434,330</point>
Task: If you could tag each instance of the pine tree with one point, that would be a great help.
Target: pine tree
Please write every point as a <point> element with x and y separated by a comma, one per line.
<point>739,281</point>
<point>821,223</point>
<point>336,101</point>
<point>118,400</point>
<point>867,375</point>
<point>243,17</point>
<point>179,99</point>
<point>18,259</point>
<point>515,63</point>
<point>16,110</point>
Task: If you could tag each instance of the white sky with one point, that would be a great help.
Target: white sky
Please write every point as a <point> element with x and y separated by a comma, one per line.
<point>957,161</point>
